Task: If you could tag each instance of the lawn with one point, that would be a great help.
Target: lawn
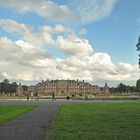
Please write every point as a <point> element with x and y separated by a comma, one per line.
<point>9,112</point>
<point>100,121</point>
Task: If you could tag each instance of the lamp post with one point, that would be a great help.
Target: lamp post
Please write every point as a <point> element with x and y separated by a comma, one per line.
<point>138,49</point>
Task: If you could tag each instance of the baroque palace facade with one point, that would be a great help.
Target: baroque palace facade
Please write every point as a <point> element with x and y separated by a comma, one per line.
<point>64,87</point>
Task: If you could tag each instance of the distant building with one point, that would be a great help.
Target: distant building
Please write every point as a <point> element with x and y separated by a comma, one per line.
<point>106,90</point>
<point>20,89</point>
<point>64,87</point>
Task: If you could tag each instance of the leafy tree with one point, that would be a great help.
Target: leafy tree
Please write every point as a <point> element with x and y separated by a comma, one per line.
<point>113,90</point>
<point>138,49</point>
<point>121,88</point>
<point>138,84</point>
<point>6,87</point>
<point>138,44</point>
<point>14,86</point>
<point>6,81</point>
<point>25,88</point>
<point>1,87</point>
<point>133,89</point>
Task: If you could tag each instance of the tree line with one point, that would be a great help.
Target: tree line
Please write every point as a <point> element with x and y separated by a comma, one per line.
<point>122,88</point>
<point>6,87</point>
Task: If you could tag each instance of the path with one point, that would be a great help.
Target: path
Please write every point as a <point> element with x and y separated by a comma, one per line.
<point>30,126</point>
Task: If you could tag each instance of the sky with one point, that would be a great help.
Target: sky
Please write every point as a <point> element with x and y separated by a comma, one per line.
<point>91,40</point>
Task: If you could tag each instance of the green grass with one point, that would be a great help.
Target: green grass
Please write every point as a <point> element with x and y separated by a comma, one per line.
<point>9,112</point>
<point>102,121</point>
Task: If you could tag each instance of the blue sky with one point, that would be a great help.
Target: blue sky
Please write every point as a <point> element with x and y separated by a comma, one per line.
<point>61,39</point>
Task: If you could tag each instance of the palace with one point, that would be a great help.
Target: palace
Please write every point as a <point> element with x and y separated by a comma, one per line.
<point>64,87</point>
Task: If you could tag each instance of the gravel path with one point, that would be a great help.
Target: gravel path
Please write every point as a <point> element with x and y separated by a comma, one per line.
<point>30,126</point>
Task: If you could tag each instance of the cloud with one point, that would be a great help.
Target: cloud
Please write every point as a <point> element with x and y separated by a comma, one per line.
<point>24,31</point>
<point>93,10</point>
<point>28,60</point>
<point>44,8</point>
<point>83,31</point>
<point>28,48</point>
<point>14,27</point>
<point>81,11</point>
<point>138,20</point>
<point>58,13</point>
<point>66,40</point>
<point>9,50</point>
<point>73,45</point>
<point>98,67</point>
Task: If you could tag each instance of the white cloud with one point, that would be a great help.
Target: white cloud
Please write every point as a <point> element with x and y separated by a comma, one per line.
<point>25,75</point>
<point>98,67</point>
<point>12,27</point>
<point>73,45</point>
<point>9,50</point>
<point>83,31</point>
<point>28,48</point>
<point>44,8</point>
<point>68,42</point>
<point>61,29</point>
<point>25,31</point>
<point>82,11</point>
<point>59,13</point>
<point>23,60</point>
<point>6,75</point>
<point>58,29</point>
<point>94,10</point>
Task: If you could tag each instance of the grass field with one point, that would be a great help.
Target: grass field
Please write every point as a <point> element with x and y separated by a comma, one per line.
<point>101,121</point>
<point>11,112</point>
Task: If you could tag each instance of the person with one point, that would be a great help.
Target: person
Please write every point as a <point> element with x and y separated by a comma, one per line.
<point>27,95</point>
<point>32,95</point>
<point>53,96</point>
<point>68,97</point>
<point>36,96</point>
<point>73,96</point>
<point>86,97</point>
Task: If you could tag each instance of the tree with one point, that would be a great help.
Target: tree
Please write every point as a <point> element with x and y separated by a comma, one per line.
<point>6,81</point>
<point>113,90</point>
<point>132,88</point>
<point>6,87</point>
<point>138,44</point>
<point>121,88</point>
<point>25,88</point>
<point>1,87</point>
<point>138,49</point>
<point>14,86</point>
<point>138,84</point>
